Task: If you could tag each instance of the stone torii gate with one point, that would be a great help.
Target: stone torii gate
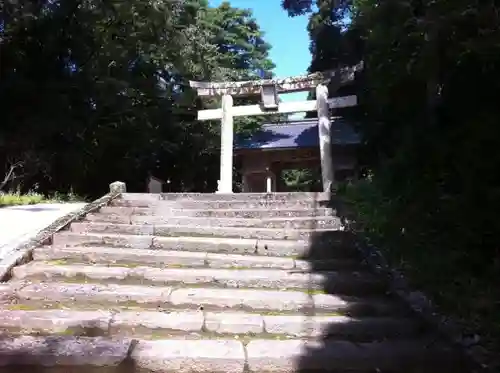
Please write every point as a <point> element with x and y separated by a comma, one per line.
<point>269,90</point>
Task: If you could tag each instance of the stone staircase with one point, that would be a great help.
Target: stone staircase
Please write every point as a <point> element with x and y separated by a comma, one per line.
<point>209,283</point>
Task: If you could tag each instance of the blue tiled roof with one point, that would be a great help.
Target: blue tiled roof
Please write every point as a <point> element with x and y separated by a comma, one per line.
<point>297,134</point>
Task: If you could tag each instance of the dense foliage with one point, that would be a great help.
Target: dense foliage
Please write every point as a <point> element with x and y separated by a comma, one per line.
<point>93,91</point>
<point>429,115</point>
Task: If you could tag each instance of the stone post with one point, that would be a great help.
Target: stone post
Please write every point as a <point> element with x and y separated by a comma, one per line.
<point>327,171</point>
<point>269,182</point>
<point>226,157</point>
<point>118,187</point>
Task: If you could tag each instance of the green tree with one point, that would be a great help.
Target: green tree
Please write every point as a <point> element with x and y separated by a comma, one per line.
<point>94,91</point>
<point>429,117</point>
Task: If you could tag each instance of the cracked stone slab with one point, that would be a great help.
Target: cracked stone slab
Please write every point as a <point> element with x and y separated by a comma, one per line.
<point>111,255</point>
<point>63,351</point>
<point>190,356</point>
<point>68,293</point>
<point>112,228</point>
<point>280,196</point>
<point>203,244</point>
<point>216,222</point>
<point>232,245</point>
<point>234,278</point>
<point>161,204</point>
<point>240,299</point>
<point>46,271</point>
<point>6,292</point>
<point>185,321</point>
<point>220,213</point>
<point>250,261</point>
<point>66,238</point>
<point>234,323</point>
<point>109,218</point>
<point>197,230</point>
<point>55,321</point>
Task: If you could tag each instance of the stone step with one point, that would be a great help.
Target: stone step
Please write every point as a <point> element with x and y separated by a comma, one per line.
<point>201,324</point>
<point>221,213</point>
<point>276,196</point>
<point>110,296</point>
<point>330,222</point>
<point>326,249</point>
<point>106,355</point>
<point>166,258</point>
<point>194,204</point>
<point>346,283</point>
<point>200,231</point>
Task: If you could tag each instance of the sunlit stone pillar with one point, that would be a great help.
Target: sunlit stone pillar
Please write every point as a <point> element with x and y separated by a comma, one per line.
<point>325,148</point>
<point>225,184</point>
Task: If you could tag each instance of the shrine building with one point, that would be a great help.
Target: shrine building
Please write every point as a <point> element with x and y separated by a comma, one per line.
<point>293,145</point>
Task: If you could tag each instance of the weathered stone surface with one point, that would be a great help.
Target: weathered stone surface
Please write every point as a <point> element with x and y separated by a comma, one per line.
<point>327,264</point>
<point>297,83</point>
<point>190,356</point>
<point>340,327</point>
<point>68,293</point>
<point>109,218</point>
<point>46,271</point>
<point>220,252</point>
<point>62,351</point>
<point>278,196</point>
<point>198,205</point>
<point>232,245</point>
<point>259,213</point>
<point>116,210</point>
<point>118,187</point>
<point>65,238</point>
<point>6,292</point>
<point>281,223</point>
<point>236,278</point>
<point>140,197</point>
<point>186,321</point>
<point>55,321</point>
<point>297,356</point>
<point>194,230</point>
<point>248,261</point>
<point>240,299</point>
<point>236,232</point>
<point>112,228</point>
<point>358,306</point>
<point>222,213</point>
<point>274,356</point>
<point>233,323</point>
<point>111,255</point>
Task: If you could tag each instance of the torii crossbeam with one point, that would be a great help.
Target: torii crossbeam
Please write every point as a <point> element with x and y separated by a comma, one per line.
<point>269,90</point>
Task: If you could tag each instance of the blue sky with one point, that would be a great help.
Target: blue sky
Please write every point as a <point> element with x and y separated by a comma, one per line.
<point>288,36</point>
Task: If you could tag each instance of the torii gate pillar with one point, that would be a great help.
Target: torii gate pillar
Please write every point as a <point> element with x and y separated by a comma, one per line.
<point>225,184</point>
<point>324,127</point>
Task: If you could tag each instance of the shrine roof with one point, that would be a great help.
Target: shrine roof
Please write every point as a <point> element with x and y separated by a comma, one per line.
<point>297,134</point>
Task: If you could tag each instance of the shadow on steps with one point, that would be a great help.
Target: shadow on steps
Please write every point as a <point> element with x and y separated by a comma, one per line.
<point>384,351</point>
<point>418,350</point>
<point>60,354</point>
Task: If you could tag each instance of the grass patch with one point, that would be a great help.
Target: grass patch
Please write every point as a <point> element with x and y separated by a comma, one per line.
<point>16,198</point>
